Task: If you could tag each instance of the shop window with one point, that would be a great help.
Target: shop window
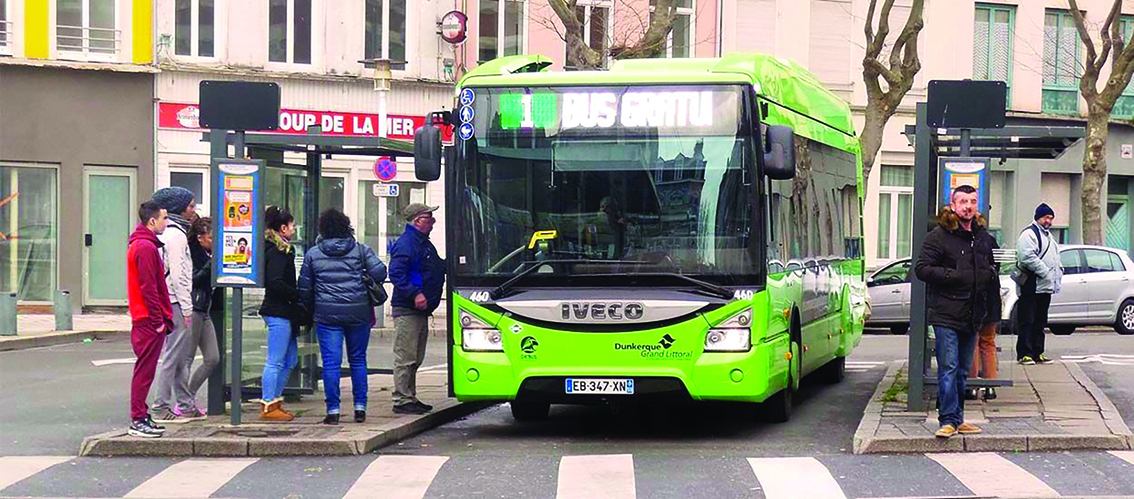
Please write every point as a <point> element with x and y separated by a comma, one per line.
<point>381,222</point>
<point>28,232</point>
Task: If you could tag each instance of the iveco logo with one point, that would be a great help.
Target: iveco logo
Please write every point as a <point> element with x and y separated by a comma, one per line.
<point>607,311</point>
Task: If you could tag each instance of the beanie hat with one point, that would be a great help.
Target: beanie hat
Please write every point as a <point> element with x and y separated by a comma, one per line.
<point>174,199</point>
<point>1043,210</point>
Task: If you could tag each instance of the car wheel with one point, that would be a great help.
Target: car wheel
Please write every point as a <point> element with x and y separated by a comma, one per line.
<point>899,330</point>
<point>1125,322</point>
<point>1062,329</point>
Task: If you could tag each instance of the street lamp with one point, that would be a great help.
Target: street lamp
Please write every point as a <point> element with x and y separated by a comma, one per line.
<point>382,79</point>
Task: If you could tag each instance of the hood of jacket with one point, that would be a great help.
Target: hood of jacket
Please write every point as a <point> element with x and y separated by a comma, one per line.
<point>338,246</point>
<point>274,238</point>
<point>144,234</point>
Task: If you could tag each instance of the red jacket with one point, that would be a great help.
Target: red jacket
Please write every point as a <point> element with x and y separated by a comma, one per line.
<point>145,279</point>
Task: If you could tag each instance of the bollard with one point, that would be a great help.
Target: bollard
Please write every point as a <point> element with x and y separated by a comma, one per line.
<point>7,314</point>
<point>63,320</point>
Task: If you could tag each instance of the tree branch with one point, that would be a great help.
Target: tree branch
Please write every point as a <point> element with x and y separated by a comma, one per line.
<point>1085,36</point>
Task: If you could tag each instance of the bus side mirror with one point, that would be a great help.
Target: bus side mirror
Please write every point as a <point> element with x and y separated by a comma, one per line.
<point>779,154</point>
<point>427,153</point>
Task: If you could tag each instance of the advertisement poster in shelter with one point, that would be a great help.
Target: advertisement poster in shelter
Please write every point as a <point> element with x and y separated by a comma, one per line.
<point>238,184</point>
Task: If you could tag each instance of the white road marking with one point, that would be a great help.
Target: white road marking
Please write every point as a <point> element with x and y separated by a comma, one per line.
<point>397,477</point>
<point>191,478</point>
<point>588,477</point>
<point>989,474</point>
<point>795,477</point>
<point>16,468</point>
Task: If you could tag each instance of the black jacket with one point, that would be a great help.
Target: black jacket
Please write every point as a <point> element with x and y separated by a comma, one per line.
<point>416,268</point>
<point>958,268</point>
<point>281,293</point>
<point>205,296</point>
<point>330,282</point>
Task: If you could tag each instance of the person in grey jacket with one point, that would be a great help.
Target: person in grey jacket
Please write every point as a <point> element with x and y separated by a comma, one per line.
<point>331,289</point>
<point>1037,257</point>
<point>174,402</point>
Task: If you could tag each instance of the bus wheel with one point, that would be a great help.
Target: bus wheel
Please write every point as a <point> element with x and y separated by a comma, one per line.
<point>529,411</point>
<point>777,409</point>
<point>835,370</point>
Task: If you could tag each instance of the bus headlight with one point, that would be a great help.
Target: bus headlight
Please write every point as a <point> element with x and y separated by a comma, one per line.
<point>727,340</point>
<point>732,335</point>
<point>478,336</point>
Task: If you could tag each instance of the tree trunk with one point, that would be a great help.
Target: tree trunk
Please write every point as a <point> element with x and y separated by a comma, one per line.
<point>871,135</point>
<point>1094,174</point>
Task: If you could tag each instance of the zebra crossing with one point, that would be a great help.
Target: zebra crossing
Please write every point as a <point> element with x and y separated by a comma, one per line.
<point>606,476</point>
<point>862,366</point>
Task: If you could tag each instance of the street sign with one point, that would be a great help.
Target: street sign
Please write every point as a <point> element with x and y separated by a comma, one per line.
<point>966,104</point>
<point>454,27</point>
<point>386,190</point>
<point>239,105</point>
<point>385,168</point>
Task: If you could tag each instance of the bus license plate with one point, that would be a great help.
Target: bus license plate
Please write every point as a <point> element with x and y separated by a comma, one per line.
<point>619,386</point>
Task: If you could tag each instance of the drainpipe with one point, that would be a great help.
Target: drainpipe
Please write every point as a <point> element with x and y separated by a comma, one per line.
<point>720,28</point>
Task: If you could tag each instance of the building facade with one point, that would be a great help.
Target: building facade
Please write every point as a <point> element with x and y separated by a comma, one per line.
<point>76,144</point>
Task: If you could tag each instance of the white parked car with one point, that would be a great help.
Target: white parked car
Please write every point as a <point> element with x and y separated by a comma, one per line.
<point>1097,290</point>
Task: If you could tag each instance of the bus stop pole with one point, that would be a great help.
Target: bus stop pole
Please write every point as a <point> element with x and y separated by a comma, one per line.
<point>218,148</point>
<point>237,383</point>
<point>924,169</point>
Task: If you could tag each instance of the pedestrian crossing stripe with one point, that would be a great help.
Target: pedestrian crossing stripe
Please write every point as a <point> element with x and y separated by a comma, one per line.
<point>1102,358</point>
<point>985,474</point>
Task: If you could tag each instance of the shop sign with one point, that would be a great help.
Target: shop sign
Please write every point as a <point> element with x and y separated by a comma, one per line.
<point>180,116</point>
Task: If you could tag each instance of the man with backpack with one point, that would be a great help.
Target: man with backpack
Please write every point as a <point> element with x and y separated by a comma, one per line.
<point>1037,277</point>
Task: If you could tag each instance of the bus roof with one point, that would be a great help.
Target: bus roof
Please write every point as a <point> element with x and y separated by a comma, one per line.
<point>778,80</point>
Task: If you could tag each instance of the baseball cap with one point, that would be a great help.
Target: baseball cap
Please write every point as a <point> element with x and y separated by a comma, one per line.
<point>415,210</point>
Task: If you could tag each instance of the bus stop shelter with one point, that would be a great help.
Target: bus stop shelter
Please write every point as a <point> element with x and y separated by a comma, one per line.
<point>298,190</point>
<point>930,145</point>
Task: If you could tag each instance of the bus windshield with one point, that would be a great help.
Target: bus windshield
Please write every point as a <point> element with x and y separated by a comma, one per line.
<point>667,190</point>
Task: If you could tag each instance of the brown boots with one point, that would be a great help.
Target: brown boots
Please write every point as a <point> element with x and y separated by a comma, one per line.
<point>273,411</point>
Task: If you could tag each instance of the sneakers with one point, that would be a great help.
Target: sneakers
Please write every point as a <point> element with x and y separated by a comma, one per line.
<point>193,414</point>
<point>423,405</point>
<point>331,419</point>
<point>359,416</point>
<point>1042,359</point>
<point>1027,361</point>
<point>968,429</point>
<point>153,424</point>
<point>167,416</point>
<point>971,394</point>
<point>412,408</point>
<point>946,431</point>
<point>141,428</point>
<point>273,411</point>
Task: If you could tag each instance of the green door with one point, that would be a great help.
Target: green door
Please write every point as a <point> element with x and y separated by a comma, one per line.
<point>1118,224</point>
<point>110,199</point>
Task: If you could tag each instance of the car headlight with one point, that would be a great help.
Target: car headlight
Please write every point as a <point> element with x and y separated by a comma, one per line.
<point>478,336</point>
<point>732,335</point>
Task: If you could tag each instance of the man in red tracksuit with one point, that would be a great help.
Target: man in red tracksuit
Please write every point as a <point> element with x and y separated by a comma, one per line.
<point>150,311</point>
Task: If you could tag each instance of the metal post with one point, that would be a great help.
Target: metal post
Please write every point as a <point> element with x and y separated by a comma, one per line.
<point>62,310</point>
<point>218,148</point>
<point>8,314</point>
<point>966,142</point>
<point>923,171</point>
<point>236,385</point>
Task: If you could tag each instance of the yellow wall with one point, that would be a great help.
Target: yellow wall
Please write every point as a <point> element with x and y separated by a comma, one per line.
<point>36,30</point>
<point>143,31</point>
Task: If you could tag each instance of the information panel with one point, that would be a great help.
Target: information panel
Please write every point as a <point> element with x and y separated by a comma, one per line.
<point>238,233</point>
<point>974,172</point>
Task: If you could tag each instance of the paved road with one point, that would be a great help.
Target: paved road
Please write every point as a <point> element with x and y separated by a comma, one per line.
<point>716,450</point>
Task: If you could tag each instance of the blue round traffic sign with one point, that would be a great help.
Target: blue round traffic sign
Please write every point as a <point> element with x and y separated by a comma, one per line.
<point>467,114</point>
<point>385,169</point>
<point>467,97</point>
<point>466,131</point>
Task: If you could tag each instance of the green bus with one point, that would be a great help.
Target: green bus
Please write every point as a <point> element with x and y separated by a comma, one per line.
<point>668,228</point>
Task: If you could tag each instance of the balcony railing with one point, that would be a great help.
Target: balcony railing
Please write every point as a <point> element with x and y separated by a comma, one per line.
<point>91,43</point>
<point>7,37</point>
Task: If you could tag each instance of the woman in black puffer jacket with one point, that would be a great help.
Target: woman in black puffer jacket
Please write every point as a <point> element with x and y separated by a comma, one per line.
<point>280,311</point>
<point>332,291</point>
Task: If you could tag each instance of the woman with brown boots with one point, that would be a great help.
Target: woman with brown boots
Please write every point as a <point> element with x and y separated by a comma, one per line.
<point>280,311</point>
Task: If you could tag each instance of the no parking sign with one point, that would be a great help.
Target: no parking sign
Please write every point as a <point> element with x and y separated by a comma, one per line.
<point>385,168</point>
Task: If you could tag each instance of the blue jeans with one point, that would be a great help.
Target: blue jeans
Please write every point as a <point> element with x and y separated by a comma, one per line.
<point>954,359</point>
<point>282,356</point>
<point>331,347</point>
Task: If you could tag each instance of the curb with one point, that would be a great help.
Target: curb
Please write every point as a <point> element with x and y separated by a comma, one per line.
<point>11,343</point>
<point>872,415</point>
<point>1110,413</point>
<point>999,443</point>
<point>363,441</point>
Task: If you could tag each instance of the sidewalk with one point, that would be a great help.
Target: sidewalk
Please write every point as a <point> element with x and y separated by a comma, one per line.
<point>38,330</point>
<point>306,435</point>
<point>1050,407</point>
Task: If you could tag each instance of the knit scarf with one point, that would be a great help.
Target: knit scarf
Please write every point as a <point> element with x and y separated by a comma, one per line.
<point>180,221</point>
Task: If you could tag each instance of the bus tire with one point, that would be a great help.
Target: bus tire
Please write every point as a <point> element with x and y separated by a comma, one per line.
<point>835,370</point>
<point>777,409</point>
<point>529,411</point>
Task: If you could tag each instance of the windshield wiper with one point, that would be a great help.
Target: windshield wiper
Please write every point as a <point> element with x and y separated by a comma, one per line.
<point>500,291</point>
<point>707,287</point>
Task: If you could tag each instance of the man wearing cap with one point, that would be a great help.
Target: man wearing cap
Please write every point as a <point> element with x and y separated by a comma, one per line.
<point>1037,258</point>
<point>418,275</point>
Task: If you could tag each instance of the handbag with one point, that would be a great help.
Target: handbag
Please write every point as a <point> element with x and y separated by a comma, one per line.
<point>374,290</point>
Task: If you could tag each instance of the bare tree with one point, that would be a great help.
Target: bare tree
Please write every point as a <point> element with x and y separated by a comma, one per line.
<point>648,39</point>
<point>887,84</point>
<point>1099,106</point>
